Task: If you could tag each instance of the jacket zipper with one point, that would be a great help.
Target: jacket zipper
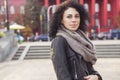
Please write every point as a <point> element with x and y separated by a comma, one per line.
<point>76,76</point>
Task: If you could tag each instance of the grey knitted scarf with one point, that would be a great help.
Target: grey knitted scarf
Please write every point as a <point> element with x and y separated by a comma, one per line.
<point>79,42</point>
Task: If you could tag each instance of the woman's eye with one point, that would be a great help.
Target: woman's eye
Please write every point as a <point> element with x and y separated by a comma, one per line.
<point>69,16</point>
<point>77,16</point>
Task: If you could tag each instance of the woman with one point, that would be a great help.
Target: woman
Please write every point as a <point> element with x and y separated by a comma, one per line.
<point>73,54</point>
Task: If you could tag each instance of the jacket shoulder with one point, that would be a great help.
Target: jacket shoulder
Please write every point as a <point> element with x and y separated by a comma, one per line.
<point>62,39</point>
<point>59,40</point>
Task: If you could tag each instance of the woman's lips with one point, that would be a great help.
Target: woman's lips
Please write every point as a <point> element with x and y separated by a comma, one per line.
<point>73,25</point>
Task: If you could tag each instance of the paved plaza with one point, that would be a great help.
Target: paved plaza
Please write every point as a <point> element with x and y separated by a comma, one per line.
<point>42,69</point>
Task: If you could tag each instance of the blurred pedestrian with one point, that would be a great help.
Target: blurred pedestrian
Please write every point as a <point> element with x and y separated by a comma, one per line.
<point>73,55</point>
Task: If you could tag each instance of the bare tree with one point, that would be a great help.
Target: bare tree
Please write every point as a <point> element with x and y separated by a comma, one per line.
<point>32,12</point>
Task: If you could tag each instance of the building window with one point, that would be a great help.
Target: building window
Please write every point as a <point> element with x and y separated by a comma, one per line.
<point>97,22</point>
<point>109,22</point>
<point>12,9</point>
<point>86,7</point>
<point>108,7</point>
<point>22,9</point>
<point>1,10</point>
<point>96,7</point>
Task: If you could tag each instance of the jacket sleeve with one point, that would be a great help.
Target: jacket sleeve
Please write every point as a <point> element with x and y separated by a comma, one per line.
<point>59,59</point>
<point>93,71</point>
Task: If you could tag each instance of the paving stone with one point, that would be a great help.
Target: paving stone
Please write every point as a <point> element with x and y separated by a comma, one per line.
<point>42,69</point>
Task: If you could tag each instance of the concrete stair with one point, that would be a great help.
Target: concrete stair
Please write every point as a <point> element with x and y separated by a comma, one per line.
<point>18,53</point>
<point>41,50</point>
<point>108,51</point>
<point>38,52</point>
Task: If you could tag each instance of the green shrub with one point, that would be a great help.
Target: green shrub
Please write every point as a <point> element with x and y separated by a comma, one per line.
<point>2,34</point>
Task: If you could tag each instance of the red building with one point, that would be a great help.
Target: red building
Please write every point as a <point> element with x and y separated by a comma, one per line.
<point>103,12</point>
<point>15,11</point>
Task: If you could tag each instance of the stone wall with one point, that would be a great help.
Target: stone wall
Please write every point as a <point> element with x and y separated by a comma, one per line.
<point>7,45</point>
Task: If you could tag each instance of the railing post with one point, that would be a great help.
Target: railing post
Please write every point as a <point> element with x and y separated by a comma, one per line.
<point>48,17</point>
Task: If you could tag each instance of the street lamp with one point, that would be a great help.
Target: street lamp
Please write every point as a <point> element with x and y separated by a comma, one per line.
<point>7,15</point>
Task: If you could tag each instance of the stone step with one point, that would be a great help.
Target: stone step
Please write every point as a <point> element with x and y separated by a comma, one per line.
<point>108,56</point>
<point>108,50</point>
<point>18,53</point>
<point>39,47</point>
<point>114,49</point>
<point>37,57</point>
<point>38,51</point>
<point>15,57</point>
<point>37,54</point>
<point>107,46</point>
<point>108,53</point>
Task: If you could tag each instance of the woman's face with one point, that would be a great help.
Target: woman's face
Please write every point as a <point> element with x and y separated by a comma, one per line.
<point>71,19</point>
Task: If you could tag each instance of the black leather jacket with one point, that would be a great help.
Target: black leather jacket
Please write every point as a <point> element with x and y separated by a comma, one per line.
<point>67,63</point>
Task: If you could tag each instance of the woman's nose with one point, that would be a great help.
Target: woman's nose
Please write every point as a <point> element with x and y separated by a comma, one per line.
<point>74,19</point>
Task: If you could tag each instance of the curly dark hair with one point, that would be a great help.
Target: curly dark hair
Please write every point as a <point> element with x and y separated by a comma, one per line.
<point>58,15</point>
